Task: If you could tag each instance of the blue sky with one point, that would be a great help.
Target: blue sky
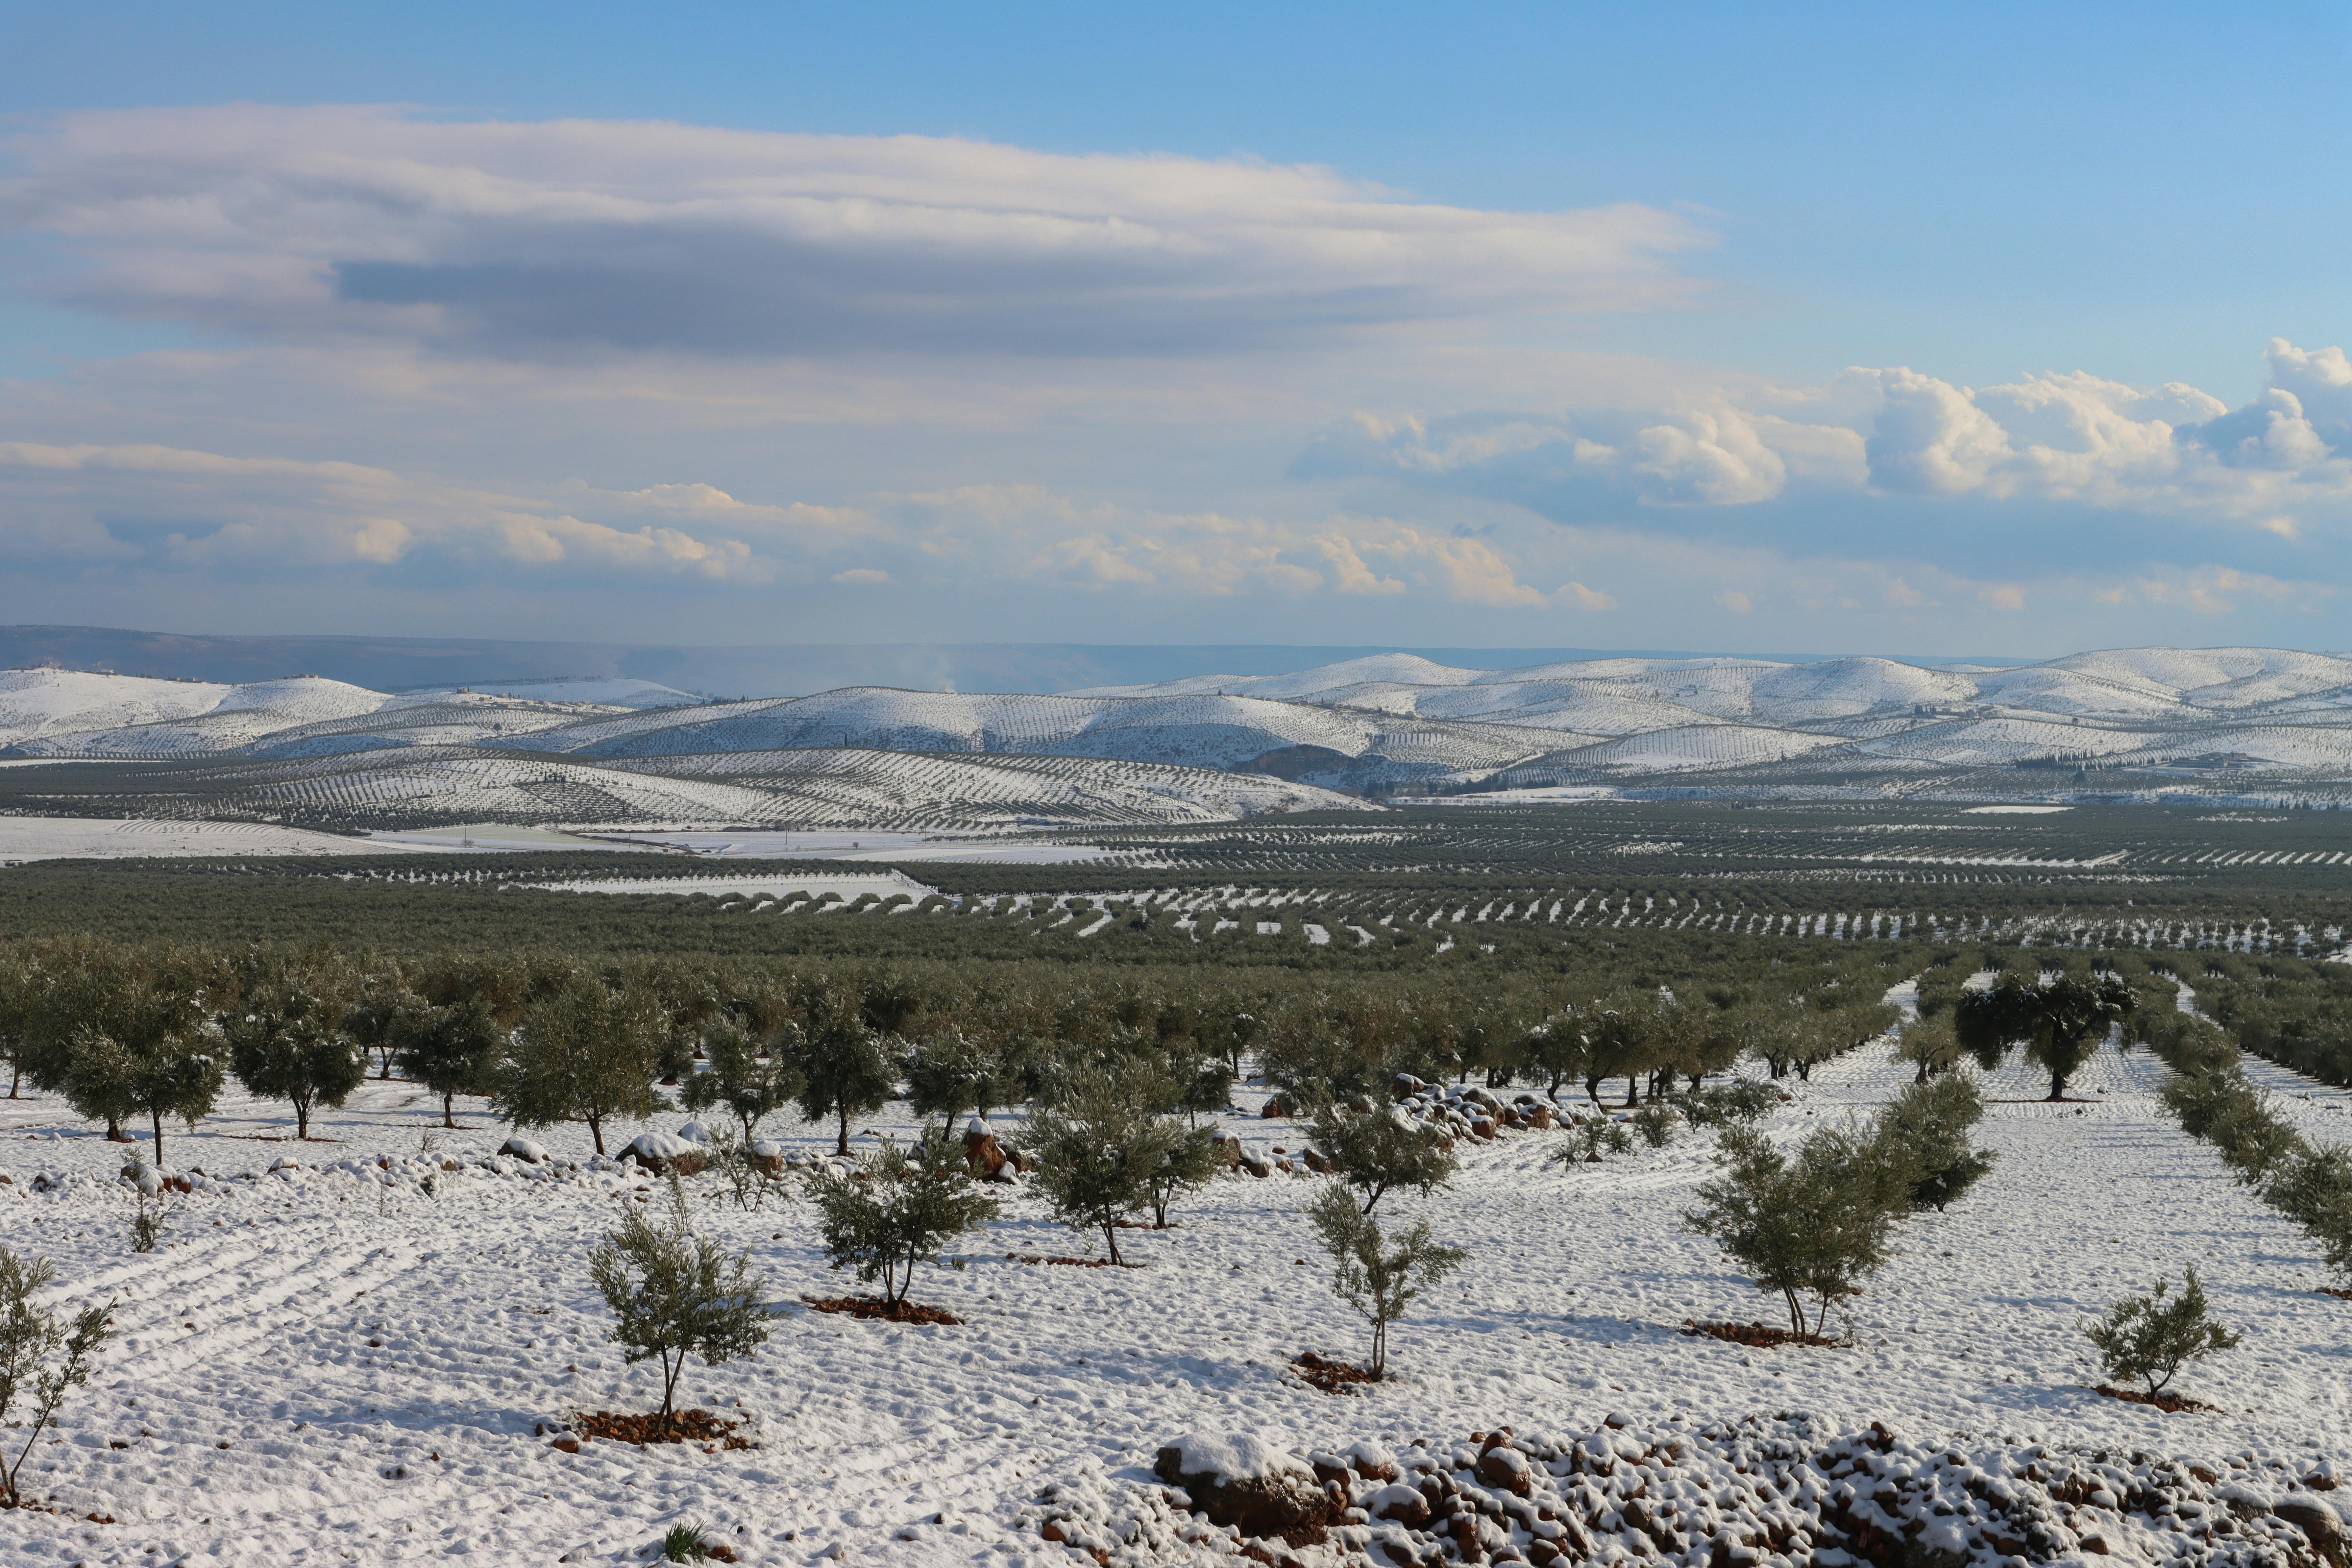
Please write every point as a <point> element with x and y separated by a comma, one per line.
<point>1937,329</point>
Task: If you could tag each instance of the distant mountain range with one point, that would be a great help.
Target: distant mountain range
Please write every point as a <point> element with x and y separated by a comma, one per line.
<point>1347,733</point>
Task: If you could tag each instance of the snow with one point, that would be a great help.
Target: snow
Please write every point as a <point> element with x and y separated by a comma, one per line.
<point>1238,1456</point>
<point>26,838</point>
<point>375,1358</point>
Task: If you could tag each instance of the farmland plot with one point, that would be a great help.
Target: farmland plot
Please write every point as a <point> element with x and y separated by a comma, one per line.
<point>333,1361</point>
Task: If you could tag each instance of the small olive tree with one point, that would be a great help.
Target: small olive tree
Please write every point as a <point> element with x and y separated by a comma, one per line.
<point>1378,1278</point>
<point>1103,1143</point>
<point>32,1340</point>
<point>1817,1224</point>
<point>2148,1340</point>
<point>897,1208</point>
<point>1379,1151</point>
<point>1926,1126</point>
<point>678,1293</point>
<point>745,1077</point>
<point>586,1053</point>
<point>845,1060</point>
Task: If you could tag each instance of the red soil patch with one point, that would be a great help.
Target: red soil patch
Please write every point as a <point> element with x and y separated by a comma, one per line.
<point>875,1307</point>
<point>2171,1403</point>
<point>1330,1376</point>
<point>2340,1295</point>
<point>1755,1336</point>
<point>684,1426</point>
<point>1064,1262</point>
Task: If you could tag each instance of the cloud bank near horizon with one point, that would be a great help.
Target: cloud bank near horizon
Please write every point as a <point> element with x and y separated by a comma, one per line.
<point>881,386</point>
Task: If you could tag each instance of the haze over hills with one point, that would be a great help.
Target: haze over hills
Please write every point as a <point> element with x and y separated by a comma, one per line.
<point>2141,722</point>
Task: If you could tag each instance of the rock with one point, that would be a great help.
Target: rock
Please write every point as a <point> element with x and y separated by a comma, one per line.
<point>2319,1524</point>
<point>524,1149</point>
<point>284,1162</point>
<point>766,1158</point>
<point>981,1152</point>
<point>1227,1152</point>
<point>1317,1163</point>
<point>1506,1468</point>
<point>1399,1504</point>
<point>1483,1128</point>
<point>661,1153</point>
<point>694,1132</point>
<point>1249,1485</point>
<point>1276,1106</point>
<point>1405,1086</point>
<point>1257,1164</point>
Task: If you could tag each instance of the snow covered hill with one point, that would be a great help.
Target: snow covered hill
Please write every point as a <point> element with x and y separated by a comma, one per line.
<point>2129,719</point>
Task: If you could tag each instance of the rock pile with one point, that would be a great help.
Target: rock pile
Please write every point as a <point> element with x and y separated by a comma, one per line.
<point>1749,1494</point>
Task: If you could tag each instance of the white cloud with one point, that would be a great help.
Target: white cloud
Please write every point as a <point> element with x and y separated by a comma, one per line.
<point>539,240</point>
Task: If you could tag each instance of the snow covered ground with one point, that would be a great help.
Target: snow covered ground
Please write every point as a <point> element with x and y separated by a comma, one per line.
<point>324,1367</point>
<point>79,838</point>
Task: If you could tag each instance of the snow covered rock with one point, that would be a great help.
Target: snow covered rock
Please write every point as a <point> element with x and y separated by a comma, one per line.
<point>696,1132</point>
<point>981,1152</point>
<point>1227,1153</point>
<point>661,1153</point>
<point>768,1157</point>
<point>284,1162</point>
<point>1399,1504</point>
<point>524,1149</point>
<point>1249,1484</point>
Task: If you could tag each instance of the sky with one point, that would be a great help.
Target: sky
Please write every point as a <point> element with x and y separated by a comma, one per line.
<point>1994,330</point>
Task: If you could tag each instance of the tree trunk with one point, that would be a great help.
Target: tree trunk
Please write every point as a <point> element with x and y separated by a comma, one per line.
<point>16,1075</point>
<point>158,1117</point>
<point>1633,1090</point>
<point>448,1114</point>
<point>301,1122</point>
<point>2057,1085</point>
<point>841,1145</point>
<point>596,1131</point>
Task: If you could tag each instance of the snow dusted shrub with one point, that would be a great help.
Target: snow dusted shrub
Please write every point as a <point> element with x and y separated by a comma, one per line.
<point>748,1078</point>
<point>1927,1127</point>
<point>32,1340</point>
<point>952,1073</point>
<point>1654,1123</point>
<point>148,1213</point>
<point>1729,1104</point>
<point>287,1043</point>
<point>2313,1188</point>
<point>1189,1165</point>
<point>677,1293</point>
<point>897,1208</point>
<point>2148,1340</point>
<point>2255,1141</point>
<point>1931,1043</point>
<point>1379,1280</point>
<point>1593,1138</point>
<point>731,1158</point>
<point>1818,1225</point>
<point>1377,1150</point>
<point>585,1052</point>
<point>1103,1143</point>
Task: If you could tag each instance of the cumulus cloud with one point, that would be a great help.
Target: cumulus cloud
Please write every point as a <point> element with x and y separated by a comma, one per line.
<point>2280,464</point>
<point>537,239</point>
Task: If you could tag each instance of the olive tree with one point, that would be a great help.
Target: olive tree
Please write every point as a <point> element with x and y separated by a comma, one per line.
<point>1817,1224</point>
<point>843,1061</point>
<point>451,1050</point>
<point>1376,1275</point>
<point>677,1293</point>
<point>1102,1144</point>
<point>586,1053</point>
<point>897,1208</point>
<point>2059,1021</point>
<point>746,1077</point>
<point>1378,1151</point>
<point>39,1355</point>
<point>288,1042</point>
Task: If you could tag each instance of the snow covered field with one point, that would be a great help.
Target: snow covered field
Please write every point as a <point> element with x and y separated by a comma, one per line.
<point>332,1365</point>
<point>79,838</point>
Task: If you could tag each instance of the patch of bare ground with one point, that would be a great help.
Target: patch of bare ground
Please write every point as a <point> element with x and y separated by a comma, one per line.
<point>1755,1336</point>
<point>680,1427</point>
<point>875,1307</point>
<point>2171,1403</point>
<point>1330,1376</point>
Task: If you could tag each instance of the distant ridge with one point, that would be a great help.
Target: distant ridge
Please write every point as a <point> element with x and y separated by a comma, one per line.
<point>411,664</point>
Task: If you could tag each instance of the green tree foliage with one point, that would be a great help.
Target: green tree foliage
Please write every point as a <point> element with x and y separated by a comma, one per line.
<point>844,1059</point>
<point>897,1209</point>
<point>2148,1338</point>
<point>1101,1145</point>
<point>39,1356</point>
<point>287,1041</point>
<point>1817,1224</point>
<point>164,1068</point>
<point>2059,1021</point>
<point>1380,1150</point>
<point>748,1078</point>
<point>585,1053</point>
<point>1376,1277</point>
<point>1926,1126</point>
<point>451,1050</point>
<point>677,1293</point>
